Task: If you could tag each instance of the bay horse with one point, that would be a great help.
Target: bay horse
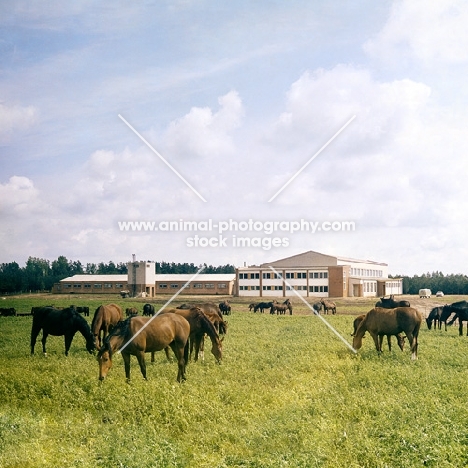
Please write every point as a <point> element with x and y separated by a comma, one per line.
<point>105,317</point>
<point>138,335</point>
<point>58,322</point>
<point>380,321</point>
<point>281,309</point>
<point>199,325</point>
<point>328,305</point>
<point>211,310</point>
<point>400,339</point>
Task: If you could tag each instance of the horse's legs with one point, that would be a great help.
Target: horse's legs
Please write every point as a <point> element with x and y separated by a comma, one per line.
<point>141,360</point>
<point>68,341</point>
<point>389,341</point>
<point>34,332</point>
<point>126,359</point>
<point>44,339</point>
<point>377,342</point>
<point>180,353</point>
<point>166,350</point>
<point>460,327</point>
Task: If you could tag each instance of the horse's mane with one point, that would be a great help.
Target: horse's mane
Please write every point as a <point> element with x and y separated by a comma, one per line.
<point>122,329</point>
<point>208,324</point>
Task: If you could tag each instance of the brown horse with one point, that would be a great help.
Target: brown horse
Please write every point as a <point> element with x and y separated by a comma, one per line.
<point>328,305</point>
<point>57,322</point>
<point>138,335</point>
<point>199,325</point>
<point>105,317</point>
<point>281,309</point>
<point>381,321</point>
<point>211,310</point>
<point>401,339</point>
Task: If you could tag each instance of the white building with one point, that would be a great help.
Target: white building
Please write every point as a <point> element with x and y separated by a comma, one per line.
<point>312,274</point>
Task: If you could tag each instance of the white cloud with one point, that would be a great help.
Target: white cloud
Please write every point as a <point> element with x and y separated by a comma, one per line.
<point>203,133</point>
<point>15,119</point>
<point>432,33</point>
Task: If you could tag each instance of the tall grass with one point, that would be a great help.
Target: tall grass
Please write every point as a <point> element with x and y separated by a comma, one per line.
<point>288,393</point>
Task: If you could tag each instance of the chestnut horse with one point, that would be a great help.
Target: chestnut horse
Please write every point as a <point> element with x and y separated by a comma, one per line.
<point>381,321</point>
<point>59,322</point>
<point>199,325</point>
<point>105,317</point>
<point>138,335</point>
<point>400,339</point>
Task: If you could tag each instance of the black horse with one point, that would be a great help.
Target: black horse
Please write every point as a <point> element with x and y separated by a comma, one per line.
<point>148,310</point>
<point>264,305</point>
<point>65,322</point>
<point>390,303</point>
<point>461,313</point>
<point>435,316</point>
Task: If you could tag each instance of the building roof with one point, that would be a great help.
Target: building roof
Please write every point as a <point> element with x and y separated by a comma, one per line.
<point>314,259</point>
<point>85,278</point>
<point>162,277</point>
<point>201,277</point>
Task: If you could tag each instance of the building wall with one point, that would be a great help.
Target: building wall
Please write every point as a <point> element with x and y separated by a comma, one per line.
<point>195,288</point>
<point>89,287</point>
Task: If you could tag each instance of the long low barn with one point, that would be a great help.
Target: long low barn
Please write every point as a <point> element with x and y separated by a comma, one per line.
<point>142,281</point>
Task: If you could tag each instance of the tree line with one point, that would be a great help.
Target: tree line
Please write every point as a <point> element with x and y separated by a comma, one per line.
<point>40,274</point>
<point>435,281</point>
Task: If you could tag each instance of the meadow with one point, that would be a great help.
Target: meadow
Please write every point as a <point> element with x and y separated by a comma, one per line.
<point>289,393</point>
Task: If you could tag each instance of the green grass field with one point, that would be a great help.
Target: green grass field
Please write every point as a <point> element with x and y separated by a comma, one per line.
<point>289,393</point>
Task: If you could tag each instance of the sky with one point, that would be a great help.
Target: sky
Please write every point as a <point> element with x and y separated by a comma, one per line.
<point>339,127</point>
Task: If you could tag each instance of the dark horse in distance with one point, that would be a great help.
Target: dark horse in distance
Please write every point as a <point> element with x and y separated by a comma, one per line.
<point>64,322</point>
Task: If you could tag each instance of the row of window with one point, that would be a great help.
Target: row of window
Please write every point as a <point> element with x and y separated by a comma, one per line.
<point>370,287</point>
<point>366,272</point>
<point>95,286</point>
<point>288,275</point>
<point>322,289</point>
<point>194,285</point>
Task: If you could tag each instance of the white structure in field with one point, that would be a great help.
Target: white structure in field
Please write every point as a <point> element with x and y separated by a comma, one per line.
<point>314,274</point>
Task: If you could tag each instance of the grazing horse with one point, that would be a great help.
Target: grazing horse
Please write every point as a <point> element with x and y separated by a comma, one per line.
<point>281,309</point>
<point>400,339</point>
<point>328,305</point>
<point>264,305</point>
<point>461,313</point>
<point>212,311</point>
<point>131,311</point>
<point>105,317</point>
<point>380,321</point>
<point>435,315</point>
<point>390,303</point>
<point>139,335</point>
<point>199,325</point>
<point>57,323</point>
<point>317,307</point>
<point>225,308</point>
<point>148,310</point>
